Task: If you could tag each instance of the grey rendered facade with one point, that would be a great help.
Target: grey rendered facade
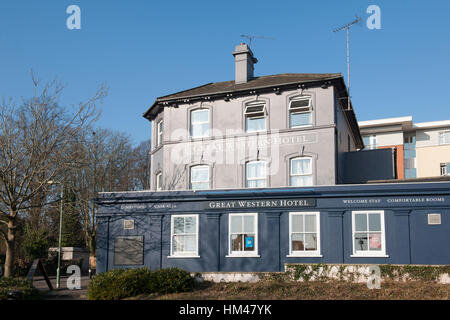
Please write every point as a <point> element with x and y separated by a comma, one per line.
<point>227,148</point>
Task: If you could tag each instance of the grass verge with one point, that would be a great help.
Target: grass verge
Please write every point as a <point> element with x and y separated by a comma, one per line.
<point>313,290</point>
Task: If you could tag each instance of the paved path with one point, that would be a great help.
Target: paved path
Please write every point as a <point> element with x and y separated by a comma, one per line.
<point>62,293</point>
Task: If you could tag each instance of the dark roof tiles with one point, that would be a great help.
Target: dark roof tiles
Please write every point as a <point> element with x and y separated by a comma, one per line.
<point>255,83</point>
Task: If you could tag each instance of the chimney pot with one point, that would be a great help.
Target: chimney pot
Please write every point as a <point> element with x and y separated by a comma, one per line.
<point>244,63</point>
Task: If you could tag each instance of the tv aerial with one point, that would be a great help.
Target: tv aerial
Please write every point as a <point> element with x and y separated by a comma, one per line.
<point>250,38</point>
<point>347,27</point>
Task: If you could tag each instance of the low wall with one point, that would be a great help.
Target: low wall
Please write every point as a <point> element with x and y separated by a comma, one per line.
<point>359,273</point>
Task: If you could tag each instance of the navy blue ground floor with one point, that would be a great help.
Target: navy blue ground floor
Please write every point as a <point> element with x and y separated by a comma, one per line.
<point>263,229</point>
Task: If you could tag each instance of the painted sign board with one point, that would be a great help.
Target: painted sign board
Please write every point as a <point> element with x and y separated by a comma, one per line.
<point>266,203</point>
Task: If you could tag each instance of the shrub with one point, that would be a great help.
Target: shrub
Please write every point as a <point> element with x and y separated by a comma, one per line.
<point>18,284</point>
<point>173,280</point>
<point>121,283</point>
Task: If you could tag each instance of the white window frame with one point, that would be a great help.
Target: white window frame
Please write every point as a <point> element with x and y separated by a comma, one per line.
<point>292,110</point>
<point>158,181</point>
<point>315,253</point>
<point>186,254</point>
<point>441,137</point>
<point>444,171</point>
<point>209,176</point>
<point>254,179</point>
<point>243,254</point>
<point>368,253</point>
<point>251,115</point>
<point>300,175</point>
<point>207,133</point>
<point>159,132</point>
<point>372,142</point>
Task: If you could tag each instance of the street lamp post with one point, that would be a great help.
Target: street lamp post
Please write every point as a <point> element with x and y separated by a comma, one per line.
<point>58,271</point>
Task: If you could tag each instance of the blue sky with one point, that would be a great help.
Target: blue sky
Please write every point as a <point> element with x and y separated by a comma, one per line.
<point>145,49</point>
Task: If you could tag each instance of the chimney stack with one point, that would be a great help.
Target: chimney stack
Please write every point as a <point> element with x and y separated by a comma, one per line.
<point>244,61</point>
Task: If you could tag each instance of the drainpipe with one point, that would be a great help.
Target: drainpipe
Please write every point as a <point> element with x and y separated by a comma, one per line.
<point>107,245</point>
<point>161,242</point>
<point>218,247</point>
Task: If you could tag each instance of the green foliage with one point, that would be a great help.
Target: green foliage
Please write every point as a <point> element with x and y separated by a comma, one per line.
<point>121,283</point>
<point>319,272</point>
<point>309,272</point>
<point>424,273</point>
<point>173,280</point>
<point>28,292</point>
<point>35,243</point>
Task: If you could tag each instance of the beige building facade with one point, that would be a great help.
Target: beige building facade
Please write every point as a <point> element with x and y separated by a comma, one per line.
<point>423,149</point>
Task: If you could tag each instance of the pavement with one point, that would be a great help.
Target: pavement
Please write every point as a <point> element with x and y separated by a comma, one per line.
<point>63,293</point>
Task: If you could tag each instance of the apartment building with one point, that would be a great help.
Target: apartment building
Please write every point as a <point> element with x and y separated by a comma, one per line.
<point>423,149</point>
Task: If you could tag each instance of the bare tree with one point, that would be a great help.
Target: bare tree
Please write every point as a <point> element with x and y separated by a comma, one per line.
<point>140,166</point>
<point>105,158</point>
<point>36,141</point>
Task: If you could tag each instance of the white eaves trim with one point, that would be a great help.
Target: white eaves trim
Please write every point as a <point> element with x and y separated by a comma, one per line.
<point>386,121</point>
<point>432,124</point>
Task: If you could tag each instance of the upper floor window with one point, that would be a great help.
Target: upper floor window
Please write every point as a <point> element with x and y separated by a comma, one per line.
<point>199,177</point>
<point>199,123</point>
<point>445,169</point>
<point>444,137</point>
<point>159,136</point>
<point>159,181</point>
<point>255,117</point>
<point>300,112</point>
<point>370,142</point>
<point>301,172</point>
<point>368,233</point>
<point>409,146</point>
<point>256,174</point>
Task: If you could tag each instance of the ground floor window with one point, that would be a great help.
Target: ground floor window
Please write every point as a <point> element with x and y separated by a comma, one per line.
<point>243,234</point>
<point>368,233</point>
<point>184,235</point>
<point>129,250</point>
<point>304,234</point>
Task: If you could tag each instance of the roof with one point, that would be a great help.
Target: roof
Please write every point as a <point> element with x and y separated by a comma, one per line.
<point>387,121</point>
<point>374,189</point>
<point>256,83</point>
<point>405,122</point>
<point>230,87</point>
<point>263,84</point>
<point>433,124</point>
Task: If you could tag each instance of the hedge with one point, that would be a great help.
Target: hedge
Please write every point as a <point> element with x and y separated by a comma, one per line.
<point>23,287</point>
<point>122,283</point>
